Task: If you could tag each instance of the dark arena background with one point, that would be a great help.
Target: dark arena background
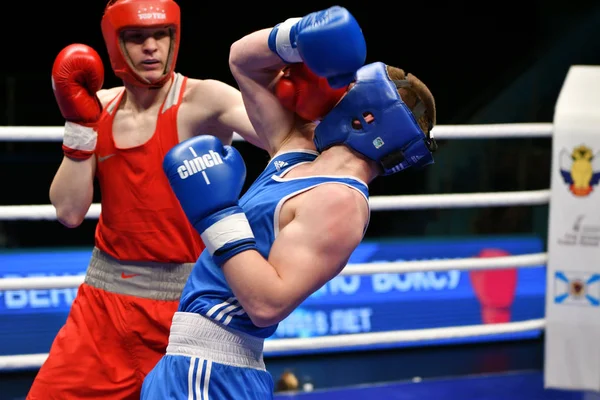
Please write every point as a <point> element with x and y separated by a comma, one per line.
<point>485,63</point>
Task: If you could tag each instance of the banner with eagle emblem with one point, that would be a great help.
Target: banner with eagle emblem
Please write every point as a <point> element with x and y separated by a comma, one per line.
<point>572,336</point>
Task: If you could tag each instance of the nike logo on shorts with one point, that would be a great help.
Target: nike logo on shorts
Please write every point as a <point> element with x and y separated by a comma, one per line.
<point>100,159</point>
<point>127,276</point>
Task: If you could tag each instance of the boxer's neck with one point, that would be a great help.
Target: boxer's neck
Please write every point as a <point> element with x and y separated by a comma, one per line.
<point>340,160</point>
<point>139,99</point>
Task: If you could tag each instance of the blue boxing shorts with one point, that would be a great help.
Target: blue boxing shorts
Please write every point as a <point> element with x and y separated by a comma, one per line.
<point>207,361</point>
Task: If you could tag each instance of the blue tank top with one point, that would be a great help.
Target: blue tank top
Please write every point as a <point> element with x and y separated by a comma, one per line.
<point>206,291</point>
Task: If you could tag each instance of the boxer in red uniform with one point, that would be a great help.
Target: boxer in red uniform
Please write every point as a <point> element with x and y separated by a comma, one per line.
<point>119,323</point>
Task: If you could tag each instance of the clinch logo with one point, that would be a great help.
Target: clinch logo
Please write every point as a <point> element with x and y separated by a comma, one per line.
<point>199,164</point>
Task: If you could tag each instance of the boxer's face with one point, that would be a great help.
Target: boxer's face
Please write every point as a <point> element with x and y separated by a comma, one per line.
<point>148,51</point>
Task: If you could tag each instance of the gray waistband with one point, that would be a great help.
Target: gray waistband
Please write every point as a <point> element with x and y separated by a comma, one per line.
<point>194,335</point>
<point>157,281</point>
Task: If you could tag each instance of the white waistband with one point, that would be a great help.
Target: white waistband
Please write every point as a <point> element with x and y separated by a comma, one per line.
<point>150,280</point>
<point>195,335</point>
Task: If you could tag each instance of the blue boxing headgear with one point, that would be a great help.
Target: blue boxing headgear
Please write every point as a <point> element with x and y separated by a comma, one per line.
<point>393,139</point>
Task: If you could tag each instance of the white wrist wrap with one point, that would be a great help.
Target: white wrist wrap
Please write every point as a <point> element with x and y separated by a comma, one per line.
<point>283,44</point>
<point>230,229</point>
<point>79,137</point>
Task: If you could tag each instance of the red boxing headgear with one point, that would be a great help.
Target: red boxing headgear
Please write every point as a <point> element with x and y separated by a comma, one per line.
<point>134,14</point>
<point>302,91</point>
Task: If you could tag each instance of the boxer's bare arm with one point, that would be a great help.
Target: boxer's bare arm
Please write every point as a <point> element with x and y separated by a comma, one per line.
<point>325,226</point>
<point>72,189</point>
<point>255,67</point>
<point>216,108</point>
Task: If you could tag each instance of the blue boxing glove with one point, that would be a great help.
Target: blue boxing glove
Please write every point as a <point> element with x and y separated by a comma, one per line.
<point>207,179</point>
<point>329,42</point>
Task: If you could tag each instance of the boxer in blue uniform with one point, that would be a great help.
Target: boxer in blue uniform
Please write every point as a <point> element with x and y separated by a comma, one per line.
<point>299,222</point>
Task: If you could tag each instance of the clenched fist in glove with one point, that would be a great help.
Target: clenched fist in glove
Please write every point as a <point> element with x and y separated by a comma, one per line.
<point>207,179</point>
<point>330,42</point>
<point>77,74</point>
<point>308,95</point>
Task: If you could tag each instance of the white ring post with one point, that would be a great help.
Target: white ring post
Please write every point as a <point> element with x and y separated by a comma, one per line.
<point>572,352</point>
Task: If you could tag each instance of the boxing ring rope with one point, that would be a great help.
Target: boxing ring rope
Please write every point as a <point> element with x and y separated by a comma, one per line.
<point>522,261</point>
<point>341,341</point>
<point>378,203</point>
<point>440,132</point>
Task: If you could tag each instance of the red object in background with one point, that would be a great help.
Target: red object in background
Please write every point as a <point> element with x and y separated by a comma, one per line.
<point>495,289</point>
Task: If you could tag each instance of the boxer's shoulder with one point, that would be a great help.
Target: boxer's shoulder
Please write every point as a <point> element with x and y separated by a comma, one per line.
<point>196,102</point>
<point>205,91</point>
<point>204,99</point>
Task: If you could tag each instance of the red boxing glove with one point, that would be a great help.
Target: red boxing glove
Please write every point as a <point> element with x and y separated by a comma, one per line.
<point>77,74</point>
<point>495,289</point>
<point>308,95</point>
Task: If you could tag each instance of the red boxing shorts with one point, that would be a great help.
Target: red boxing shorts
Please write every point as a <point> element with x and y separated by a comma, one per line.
<point>116,332</point>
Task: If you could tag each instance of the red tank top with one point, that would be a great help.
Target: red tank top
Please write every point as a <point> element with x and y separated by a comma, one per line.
<point>141,219</point>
